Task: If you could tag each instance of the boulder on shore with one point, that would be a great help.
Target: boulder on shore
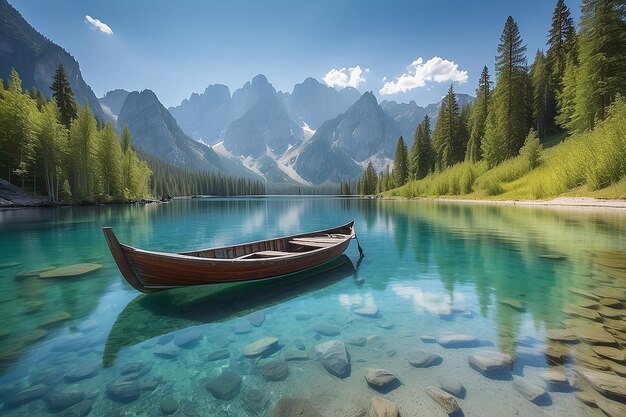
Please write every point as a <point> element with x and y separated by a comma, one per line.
<point>12,196</point>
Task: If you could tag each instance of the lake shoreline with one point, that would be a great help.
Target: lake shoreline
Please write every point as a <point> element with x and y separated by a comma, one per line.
<point>556,202</point>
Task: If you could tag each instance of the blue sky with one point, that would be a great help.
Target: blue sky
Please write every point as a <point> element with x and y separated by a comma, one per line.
<point>179,47</point>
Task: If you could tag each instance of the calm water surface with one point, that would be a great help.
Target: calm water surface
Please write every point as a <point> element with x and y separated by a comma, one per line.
<point>502,274</point>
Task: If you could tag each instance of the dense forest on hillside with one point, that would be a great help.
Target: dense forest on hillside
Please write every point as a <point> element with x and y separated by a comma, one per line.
<point>59,149</point>
<point>574,90</point>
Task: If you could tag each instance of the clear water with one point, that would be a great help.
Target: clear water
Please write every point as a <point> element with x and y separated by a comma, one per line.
<point>432,269</point>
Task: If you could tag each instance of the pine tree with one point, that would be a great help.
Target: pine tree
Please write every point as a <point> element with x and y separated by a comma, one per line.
<point>566,99</point>
<point>494,146</point>
<point>447,140</point>
<point>64,96</point>
<point>540,87</point>
<point>369,181</point>
<point>400,171</point>
<point>531,151</point>
<point>602,61</point>
<point>506,129</point>
<point>422,156</point>
<point>561,44</point>
<point>478,117</point>
<point>464,134</point>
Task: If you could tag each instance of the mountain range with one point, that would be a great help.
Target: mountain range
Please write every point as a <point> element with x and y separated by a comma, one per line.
<point>314,134</point>
<point>37,58</point>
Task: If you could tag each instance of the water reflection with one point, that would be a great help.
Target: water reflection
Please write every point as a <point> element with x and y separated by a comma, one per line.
<point>151,315</point>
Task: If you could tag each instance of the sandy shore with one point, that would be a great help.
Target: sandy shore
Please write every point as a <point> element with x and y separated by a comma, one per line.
<point>557,202</point>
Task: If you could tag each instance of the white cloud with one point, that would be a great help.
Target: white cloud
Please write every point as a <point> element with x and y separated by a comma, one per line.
<point>97,24</point>
<point>342,78</point>
<point>435,69</point>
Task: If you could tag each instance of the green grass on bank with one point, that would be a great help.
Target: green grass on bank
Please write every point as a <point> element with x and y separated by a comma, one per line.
<point>591,164</point>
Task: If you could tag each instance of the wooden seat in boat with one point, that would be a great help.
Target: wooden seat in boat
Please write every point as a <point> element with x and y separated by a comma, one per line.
<point>266,254</point>
<point>311,243</point>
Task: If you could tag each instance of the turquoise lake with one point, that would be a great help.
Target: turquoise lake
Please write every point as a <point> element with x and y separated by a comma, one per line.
<point>545,285</point>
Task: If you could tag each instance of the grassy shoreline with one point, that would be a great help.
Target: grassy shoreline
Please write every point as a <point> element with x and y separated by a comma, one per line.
<point>589,202</point>
<point>590,164</point>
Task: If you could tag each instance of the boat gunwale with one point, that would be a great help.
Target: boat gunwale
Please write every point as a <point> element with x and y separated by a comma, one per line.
<point>184,256</point>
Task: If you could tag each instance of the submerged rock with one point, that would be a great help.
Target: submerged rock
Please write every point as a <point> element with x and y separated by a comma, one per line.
<point>188,338</point>
<point>457,341</point>
<point>489,361</point>
<point>555,378</point>
<point>255,401</point>
<point>257,318</point>
<point>611,302</point>
<point>445,400</point>
<point>217,355</point>
<point>562,335</point>
<point>380,407</point>
<point>31,393</point>
<point>59,401</point>
<point>295,407</point>
<point>381,379</point>
<point>334,357</point>
<point>385,324</point>
<point>326,329</point>
<point>167,351</point>
<point>370,311</point>
<point>595,335</point>
<point>299,344</point>
<point>532,392</point>
<point>619,369</point>
<point>275,371</point>
<point>605,383</point>
<point>75,270</point>
<point>357,341</point>
<point>134,367</point>
<point>424,359</point>
<point>149,384</point>
<point>611,313</point>
<point>584,293</point>
<point>585,313</point>
<point>451,385</point>
<point>609,292</point>
<point>83,371</point>
<point>123,391</point>
<point>259,347</point>
<point>225,386</point>
<point>296,355</point>
<point>242,327</point>
<point>82,409</point>
<point>610,353</point>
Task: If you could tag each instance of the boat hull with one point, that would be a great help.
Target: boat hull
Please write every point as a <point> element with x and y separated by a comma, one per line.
<point>149,271</point>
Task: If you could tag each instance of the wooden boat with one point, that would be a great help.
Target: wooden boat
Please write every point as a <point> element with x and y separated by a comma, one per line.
<point>149,271</point>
